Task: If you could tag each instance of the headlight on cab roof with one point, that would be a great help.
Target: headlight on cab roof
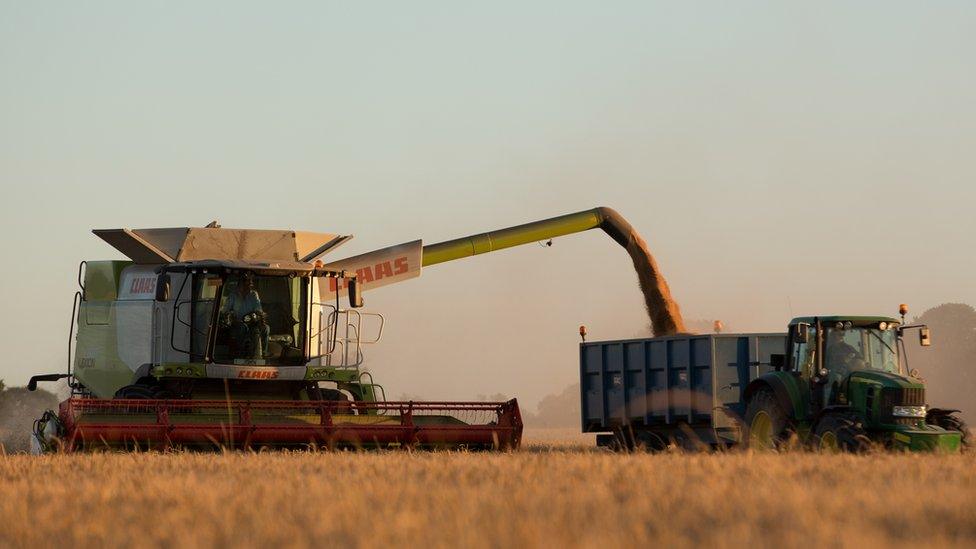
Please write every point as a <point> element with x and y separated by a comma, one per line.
<point>908,411</point>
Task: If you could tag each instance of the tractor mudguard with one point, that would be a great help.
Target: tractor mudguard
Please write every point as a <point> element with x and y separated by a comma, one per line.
<point>786,388</point>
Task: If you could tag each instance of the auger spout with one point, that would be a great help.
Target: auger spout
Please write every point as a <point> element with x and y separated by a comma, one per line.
<point>663,311</point>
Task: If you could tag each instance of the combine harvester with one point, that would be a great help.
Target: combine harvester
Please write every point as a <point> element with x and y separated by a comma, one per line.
<point>235,338</point>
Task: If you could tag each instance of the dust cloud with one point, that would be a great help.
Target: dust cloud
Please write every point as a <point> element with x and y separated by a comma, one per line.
<point>18,410</point>
<point>947,366</point>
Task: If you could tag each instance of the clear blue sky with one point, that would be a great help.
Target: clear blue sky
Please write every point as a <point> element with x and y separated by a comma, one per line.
<point>781,158</point>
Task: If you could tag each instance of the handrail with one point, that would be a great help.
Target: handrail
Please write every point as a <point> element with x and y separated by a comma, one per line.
<point>362,378</point>
<point>82,269</point>
<point>350,346</point>
<point>76,301</point>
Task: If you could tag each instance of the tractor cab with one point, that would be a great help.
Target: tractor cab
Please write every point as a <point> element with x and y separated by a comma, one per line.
<point>828,350</point>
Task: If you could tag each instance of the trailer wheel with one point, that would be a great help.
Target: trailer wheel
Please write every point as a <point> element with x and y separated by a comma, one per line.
<point>623,440</point>
<point>950,421</point>
<point>766,425</point>
<point>836,433</point>
<point>653,441</point>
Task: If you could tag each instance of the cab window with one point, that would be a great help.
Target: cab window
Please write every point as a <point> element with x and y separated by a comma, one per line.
<point>262,320</point>
<point>804,354</point>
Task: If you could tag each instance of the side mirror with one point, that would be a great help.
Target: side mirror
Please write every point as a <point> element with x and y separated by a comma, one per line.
<point>801,332</point>
<point>162,287</point>
<point>355,293</point>
<point>924,338</point>
<point>32,384</point>
<point>777,361</point>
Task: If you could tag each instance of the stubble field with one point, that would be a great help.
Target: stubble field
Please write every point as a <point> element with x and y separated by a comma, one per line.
<point>557,491</point>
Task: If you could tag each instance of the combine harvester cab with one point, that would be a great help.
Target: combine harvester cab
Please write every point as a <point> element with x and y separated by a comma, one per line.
<point>212,337</point>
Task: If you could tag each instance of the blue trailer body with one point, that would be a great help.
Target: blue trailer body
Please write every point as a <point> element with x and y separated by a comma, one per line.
<point>672,387</point>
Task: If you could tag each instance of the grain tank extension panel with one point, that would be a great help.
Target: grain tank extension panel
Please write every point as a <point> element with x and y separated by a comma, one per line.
<point>156,246</point>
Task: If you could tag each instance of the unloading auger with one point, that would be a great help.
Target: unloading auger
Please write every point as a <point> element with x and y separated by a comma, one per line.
<point>236,338</point>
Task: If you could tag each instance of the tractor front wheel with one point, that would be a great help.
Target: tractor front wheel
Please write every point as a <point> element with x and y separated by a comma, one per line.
<point>766,424</point>
<point>835,433</point>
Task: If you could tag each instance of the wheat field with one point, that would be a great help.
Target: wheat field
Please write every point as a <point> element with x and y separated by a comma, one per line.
<point>556,491</point>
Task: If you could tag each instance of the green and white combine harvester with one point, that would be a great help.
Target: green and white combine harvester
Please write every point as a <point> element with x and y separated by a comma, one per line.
<point>237,338</point>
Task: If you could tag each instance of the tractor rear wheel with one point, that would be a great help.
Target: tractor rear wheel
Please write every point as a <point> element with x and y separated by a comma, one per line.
<point>950,421</point>
<point>837,432</point>
<point>766,424</point>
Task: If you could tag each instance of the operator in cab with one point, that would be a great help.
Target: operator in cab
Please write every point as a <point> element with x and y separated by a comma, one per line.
<point>243,315</point>
<point>841,359</point>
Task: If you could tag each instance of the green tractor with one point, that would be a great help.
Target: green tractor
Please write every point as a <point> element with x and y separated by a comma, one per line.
<point>843,384</point>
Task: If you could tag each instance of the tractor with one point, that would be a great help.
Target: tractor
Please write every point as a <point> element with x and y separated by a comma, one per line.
<point>844,384</point>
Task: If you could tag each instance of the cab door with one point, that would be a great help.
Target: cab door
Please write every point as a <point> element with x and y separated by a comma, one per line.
<point>803,362</point>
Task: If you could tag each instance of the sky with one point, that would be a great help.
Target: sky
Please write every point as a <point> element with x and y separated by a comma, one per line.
<point>780,158</point>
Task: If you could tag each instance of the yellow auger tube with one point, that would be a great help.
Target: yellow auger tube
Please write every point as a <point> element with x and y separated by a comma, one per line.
<point>662,309</point>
